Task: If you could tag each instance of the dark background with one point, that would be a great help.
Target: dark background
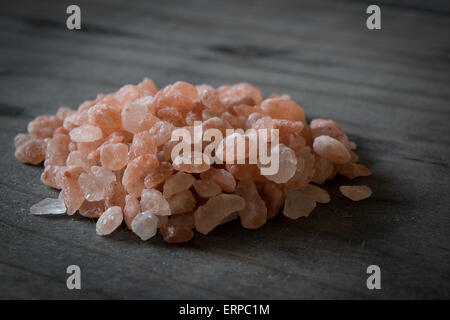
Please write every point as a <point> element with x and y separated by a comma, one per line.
<point>389,89</point>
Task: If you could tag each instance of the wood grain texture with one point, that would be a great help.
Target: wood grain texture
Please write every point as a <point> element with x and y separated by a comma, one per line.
<point>389,89</point>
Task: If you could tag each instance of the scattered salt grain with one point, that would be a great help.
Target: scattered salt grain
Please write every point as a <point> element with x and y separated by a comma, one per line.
<point>48,206</point>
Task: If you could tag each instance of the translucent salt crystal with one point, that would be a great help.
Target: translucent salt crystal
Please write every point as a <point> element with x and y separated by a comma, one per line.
<point>133,113</point>
<point>48,206</point>
<point>131,209</point>
<point>94,184</point>
<point>162,131</point>
<point>57,150</point>
<point>206,188</point>
<point>177,183</point>
<point>222,177</point>
<point>352,170</point>
<point>356,193</point>
<point>182,202</point>
<point>92,210</point>
<point>218,208</point>
<point>109,221</point>
<point>143,143</point>
<point>254,214</point>
<point>48,177</point>
<point>145,225</point>
<point>175,233</point>
<point>184,219</point>
<point>114,156</point>
<point>86,133</point>
<point>21,138</point>
<point>153,201</point>
<point>67,178</point>
<point>287,164</point>
<point>323,170</point>
<point>77,159</point>
<point>317,193</point>
<point>298,204</point>
<point>115,195</point>
<point>331,149</point>
<point>136,171</point>
<point>107,118</point>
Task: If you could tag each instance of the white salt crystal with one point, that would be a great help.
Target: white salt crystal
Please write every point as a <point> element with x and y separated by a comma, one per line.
<point>48,206</point>
<point>145,225</point>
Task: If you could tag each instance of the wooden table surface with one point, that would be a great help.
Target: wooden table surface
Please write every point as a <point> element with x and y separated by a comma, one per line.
<point>389,89</point>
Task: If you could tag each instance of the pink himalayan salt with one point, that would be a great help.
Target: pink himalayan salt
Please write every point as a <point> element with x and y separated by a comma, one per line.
<point>86,133</point>
<point>239,93</point>
<point>206,188</point>
<point>145,225</point>
<point>254,214</point>
<point>153,201</point>
<point>222,177</point>
<point>92,210</point>
<point>177,183</point>
<point>107,118</point>
<point>109,221</point>
<point>356,193</point>
<point>159,175</point>
<point>95,183</point>
<point>131,209</point>
<point>274,196</point>
<point>298,204</point>
<point>72,194</point>
<point>133,114</point>
<point>136,171</point>
<point>64,112</point>
<point>57,150</point>
<point>75,120</point>
<point>162,220</point>
<point>182,202</point>
<point>172,115</point>
<point>353,170</point>
<point>181,103</point>
<point>32,151</point>
<point>305,169</point>
<point>211,100</point>
<point>281,108</point>
<point>323,170</point>
<point>287,164</point>
<point>48,177</point>
<point>147,88</point>
<point>331,149</point>
<point>77,159</point>
<point>114,156</point>
<point>317,193</point>
<point>44,126</point>
<point>176,234</point>
<point>115,195</point>
<point>190,163</point>
<point>218,208</point>
<point>162,131</point>
<point>245,172</point>
<point>182,88</point>
<point>186,220</point>
<point>21,138</point>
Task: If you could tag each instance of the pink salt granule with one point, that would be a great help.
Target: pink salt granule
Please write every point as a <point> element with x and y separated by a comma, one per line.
<point>112,160</point>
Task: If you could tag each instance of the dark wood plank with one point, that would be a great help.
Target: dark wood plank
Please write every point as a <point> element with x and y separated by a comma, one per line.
<point>389,90</point>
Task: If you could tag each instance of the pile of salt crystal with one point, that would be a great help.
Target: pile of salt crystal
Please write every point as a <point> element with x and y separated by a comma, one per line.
<point>111,160</point>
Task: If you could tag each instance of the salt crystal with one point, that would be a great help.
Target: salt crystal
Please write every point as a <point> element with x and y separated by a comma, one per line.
<point>182,202</point>
<point>48,206</point>
<point>86,133</point>
<point>177,183</point>
<point>331,149</point>
<point>298,204</point>
<point>254,214</point>
<point>145,225</point>
<point>356,193</point>
<point>109,221</point>
<point>153,201</point>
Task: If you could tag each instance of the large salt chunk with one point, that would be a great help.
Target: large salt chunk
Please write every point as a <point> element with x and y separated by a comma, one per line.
<point>153,201</point>
<point>145,225</point>
<point>216,210</point>
<point>182,202</point>
<point>109,221</point>
<point>298,204</point>
<point>94,184</point>
<point>48,206</point>
<point>287,164</point>
<point>331,149</point>
<point>254,214</point>
<point>177,183</point>
<point>86,133</point>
